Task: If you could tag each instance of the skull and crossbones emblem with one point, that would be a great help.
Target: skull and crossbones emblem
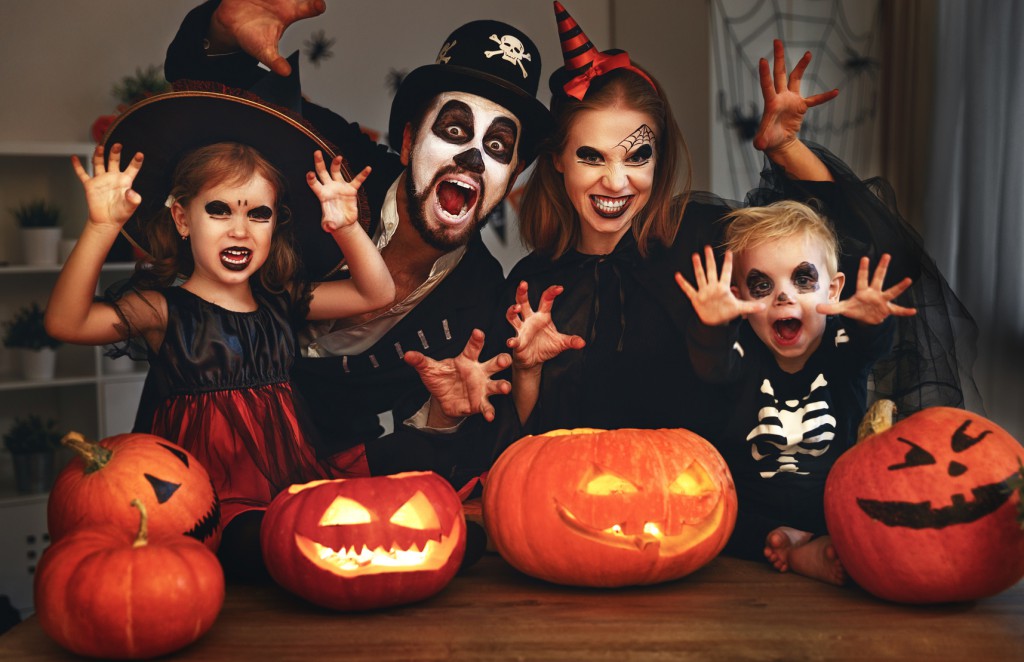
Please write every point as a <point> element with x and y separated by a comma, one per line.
<point>511,50</point>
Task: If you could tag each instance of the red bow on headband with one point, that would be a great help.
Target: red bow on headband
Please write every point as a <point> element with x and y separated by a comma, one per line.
<point>600,65</point>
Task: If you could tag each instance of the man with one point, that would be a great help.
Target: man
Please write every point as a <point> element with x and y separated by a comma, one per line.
<point>464,128</point>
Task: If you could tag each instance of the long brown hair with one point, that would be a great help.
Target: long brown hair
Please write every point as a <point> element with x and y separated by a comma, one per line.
<point>548,222</point>
<point>208,166</point>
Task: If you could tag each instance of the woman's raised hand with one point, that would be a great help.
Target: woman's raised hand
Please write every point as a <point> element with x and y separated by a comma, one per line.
<point>536,340</point>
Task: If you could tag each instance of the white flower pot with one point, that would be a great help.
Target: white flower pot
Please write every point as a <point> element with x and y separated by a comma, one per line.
<point>40,246</point>
<point>38,364</point>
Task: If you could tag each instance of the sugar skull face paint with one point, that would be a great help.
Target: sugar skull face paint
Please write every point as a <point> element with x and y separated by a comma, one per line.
<point>608,167</point>
<point>462,162</point>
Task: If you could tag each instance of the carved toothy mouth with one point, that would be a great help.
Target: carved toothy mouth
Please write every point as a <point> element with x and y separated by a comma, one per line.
<point>359,560</point>
<point>456,198</point>
<point>652,537</point>
<point>207,526</point>
<point>987,499</point>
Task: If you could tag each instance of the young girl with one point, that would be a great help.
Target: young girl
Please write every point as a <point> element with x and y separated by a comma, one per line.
<point>221,344</point>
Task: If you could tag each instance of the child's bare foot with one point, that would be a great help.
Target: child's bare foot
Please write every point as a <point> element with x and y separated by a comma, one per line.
<point>790,549</point>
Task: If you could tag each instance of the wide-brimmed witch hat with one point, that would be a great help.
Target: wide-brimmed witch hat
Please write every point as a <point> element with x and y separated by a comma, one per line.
<point>583,62</point>
<point>490,59</point>
<point>166,127</point>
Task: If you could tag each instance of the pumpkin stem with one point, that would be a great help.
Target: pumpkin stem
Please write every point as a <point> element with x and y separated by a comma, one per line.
<point>95,456</point>
<point>142,539</point>
<point>877,419</point>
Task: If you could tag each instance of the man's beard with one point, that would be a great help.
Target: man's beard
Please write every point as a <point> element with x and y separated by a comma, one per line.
<point>444,238</point>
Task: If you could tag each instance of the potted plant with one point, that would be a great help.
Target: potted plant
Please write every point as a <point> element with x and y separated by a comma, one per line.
<point>38,349</point>
<point>32,443</point>
<point>40,233</point>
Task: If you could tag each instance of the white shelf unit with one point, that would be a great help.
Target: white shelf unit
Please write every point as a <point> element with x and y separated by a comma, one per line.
<point>90,393</point>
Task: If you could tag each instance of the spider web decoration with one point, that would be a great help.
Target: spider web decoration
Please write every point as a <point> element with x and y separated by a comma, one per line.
<point>843,38</point>
<point>642,136</point>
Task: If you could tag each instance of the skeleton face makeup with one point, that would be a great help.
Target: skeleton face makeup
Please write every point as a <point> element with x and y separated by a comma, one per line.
<point>608,166</point>
<point>230,227</point>
<point>790,275</point>
<point>462,163</point>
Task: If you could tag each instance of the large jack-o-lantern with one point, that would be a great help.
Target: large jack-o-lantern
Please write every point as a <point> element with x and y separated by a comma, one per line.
<point>97,486</point>
<point>921,512</point>
<point>364,543</point>
<point>609,508</point>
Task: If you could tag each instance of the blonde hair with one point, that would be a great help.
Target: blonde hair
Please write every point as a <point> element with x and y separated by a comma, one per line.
<point>751,227</point>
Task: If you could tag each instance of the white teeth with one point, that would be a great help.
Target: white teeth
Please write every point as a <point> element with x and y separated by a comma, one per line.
<point>460,184</point>
<point>610,205</point>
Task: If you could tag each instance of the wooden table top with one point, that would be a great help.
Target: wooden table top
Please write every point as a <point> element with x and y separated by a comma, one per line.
<point>729,610</point>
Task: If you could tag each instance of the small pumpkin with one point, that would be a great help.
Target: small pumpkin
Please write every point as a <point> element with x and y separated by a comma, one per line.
<point>609,507</point>
<point>365,543</point>
<point>101,480</point>
<point>922,511</point>
<point>111,593</point>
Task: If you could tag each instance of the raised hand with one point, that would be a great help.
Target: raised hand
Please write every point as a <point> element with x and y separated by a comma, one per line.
<point>784,107</point>
<point>536,340</point>
<point>462,386</point>
<point>108,191</point>
<point>256,26</point>
<point>338,198</point>
<point>870,304</point>
<point>713,298</point>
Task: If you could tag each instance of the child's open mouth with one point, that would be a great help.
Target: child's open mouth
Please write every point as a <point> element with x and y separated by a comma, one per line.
<point>787,330</point>
<point>235,259</point>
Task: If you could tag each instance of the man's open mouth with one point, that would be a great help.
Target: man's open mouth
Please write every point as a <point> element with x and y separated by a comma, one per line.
<point>235,258</point>
<point>456,199</point>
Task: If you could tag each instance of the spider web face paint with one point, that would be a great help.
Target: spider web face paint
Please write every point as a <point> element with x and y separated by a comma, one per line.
<point>644,135</point>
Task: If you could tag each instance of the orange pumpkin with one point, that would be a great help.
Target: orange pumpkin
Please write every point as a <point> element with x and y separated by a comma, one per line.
<point>107,592</point>
<point>921,512</point>
<point>365,543</point>
<point>609,508</point>
<point>98,484</point>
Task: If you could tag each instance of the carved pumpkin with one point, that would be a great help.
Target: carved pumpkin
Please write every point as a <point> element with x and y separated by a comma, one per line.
<point>106,592</point>
<point>98,484</point>
<point>609,508</point>
<point>920,512</point>
<point>364,543</point>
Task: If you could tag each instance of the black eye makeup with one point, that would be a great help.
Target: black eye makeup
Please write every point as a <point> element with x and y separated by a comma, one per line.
<point>454,123</point>
<point>589,156</point>
<point>641,156</point>
<point>805,278</point>
<point>217,208</point>
<point>261,213</point>
<point>759,284</point>
<point>500,140</point>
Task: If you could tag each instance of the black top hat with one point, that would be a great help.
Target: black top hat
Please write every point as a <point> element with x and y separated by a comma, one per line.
<point>166,127</point>
<point>490,59</point>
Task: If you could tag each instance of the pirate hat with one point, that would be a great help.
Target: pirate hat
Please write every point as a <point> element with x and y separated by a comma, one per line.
<point>487,58</point>
<point>166,127</point>
<point>583,62</point>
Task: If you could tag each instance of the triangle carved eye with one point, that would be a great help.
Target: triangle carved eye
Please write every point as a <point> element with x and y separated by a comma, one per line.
<point>163,489</point>
<point>344,511</point>
<point>417,513</point>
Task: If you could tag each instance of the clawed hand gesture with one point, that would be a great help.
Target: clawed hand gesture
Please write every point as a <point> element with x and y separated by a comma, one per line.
<point>339,198</point>
<point>784,107</point>
<point>713,299</point>
<point>462,386</point>
<point>108,192</point>
<point>256,26</point>
<point>870,304</point>
<point>536,340</point>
